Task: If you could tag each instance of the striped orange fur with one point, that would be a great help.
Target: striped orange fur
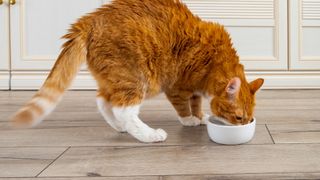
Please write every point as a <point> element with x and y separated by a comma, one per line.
<point>64,70</point>
<point>136,49</point>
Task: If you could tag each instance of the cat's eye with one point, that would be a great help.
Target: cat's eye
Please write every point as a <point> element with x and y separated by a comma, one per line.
<point>239,118</point>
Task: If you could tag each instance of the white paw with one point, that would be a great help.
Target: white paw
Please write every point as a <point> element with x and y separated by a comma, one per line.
<point>190,121</point>
<point>150,135</point>
<point>159,135</point>
<point>205,119</point>
<point>153,136</point>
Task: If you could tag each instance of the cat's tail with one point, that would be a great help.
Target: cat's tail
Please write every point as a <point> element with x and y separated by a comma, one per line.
<point>72,56</point>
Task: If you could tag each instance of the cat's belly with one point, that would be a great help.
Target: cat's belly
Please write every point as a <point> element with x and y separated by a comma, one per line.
<point>153,90</point>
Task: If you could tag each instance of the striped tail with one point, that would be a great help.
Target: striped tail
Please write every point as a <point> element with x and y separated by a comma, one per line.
<point>64,71</point>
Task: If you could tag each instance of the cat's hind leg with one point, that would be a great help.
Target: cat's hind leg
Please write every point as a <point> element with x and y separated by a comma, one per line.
<point>105,109</point>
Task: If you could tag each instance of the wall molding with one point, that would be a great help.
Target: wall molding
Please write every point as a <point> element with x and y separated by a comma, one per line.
<point>28,80</point>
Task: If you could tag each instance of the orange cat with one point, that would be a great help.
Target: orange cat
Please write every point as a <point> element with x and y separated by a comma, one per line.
<point>136,49</point>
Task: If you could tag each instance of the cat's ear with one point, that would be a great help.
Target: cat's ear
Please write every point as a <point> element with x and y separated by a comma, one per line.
<point>233,87</point>
<point>256,85</point>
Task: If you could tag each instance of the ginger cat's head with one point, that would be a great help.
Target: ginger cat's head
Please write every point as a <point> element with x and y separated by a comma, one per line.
<point>236,103</point>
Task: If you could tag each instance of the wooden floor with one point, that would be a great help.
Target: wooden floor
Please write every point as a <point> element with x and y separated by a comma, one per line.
<point>76,143</point>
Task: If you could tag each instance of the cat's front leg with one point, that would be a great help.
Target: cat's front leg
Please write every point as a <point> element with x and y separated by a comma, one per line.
<point>121,110</point>
<point>181,103</point>
<point>196,109</point>
<point>105,109</point>
<point>134,126</point>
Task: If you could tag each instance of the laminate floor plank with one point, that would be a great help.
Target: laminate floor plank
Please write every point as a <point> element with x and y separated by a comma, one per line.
<point>72,103</point>
<point>63,135</point>
<point>269,176</point>
<point>295,133</point>
<point>187,160</point>
<point>263,117</point>
<point>26,162</point>
<point>90,177</point>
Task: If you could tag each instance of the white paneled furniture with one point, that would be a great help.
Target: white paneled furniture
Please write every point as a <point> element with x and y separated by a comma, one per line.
<point>259,29</point>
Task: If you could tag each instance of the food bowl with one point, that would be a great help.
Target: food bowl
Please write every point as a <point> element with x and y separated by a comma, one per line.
<point>223,133</point>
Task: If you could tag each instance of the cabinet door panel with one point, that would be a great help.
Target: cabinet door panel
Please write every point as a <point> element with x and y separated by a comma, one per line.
<point>4,46</point>
<point>252,46</point>
<point>305,35</point>
<point>258,29</point>
<point>37,27</point>
<point>311,42</point>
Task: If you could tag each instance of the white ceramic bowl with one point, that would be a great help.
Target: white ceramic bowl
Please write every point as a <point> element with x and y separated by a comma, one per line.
<point>231,135</point>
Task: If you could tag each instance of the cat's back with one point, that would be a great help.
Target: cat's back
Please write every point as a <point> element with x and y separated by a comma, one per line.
<point>137,14</point>
<point>139,24</point>
<point>148,7</point>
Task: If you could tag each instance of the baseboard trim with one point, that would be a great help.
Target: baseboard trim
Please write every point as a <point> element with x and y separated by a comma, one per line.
<point>34,80</point>
<point>4,80</point>
<point>273,80</point>
<point>288,80</point>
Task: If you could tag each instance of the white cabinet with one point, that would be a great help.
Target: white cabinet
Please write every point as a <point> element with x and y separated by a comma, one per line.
<point>258,29</point>
<point>4,46</point>
<point>305,34</point>
<point>36,30</point>
<point>37,27</point>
